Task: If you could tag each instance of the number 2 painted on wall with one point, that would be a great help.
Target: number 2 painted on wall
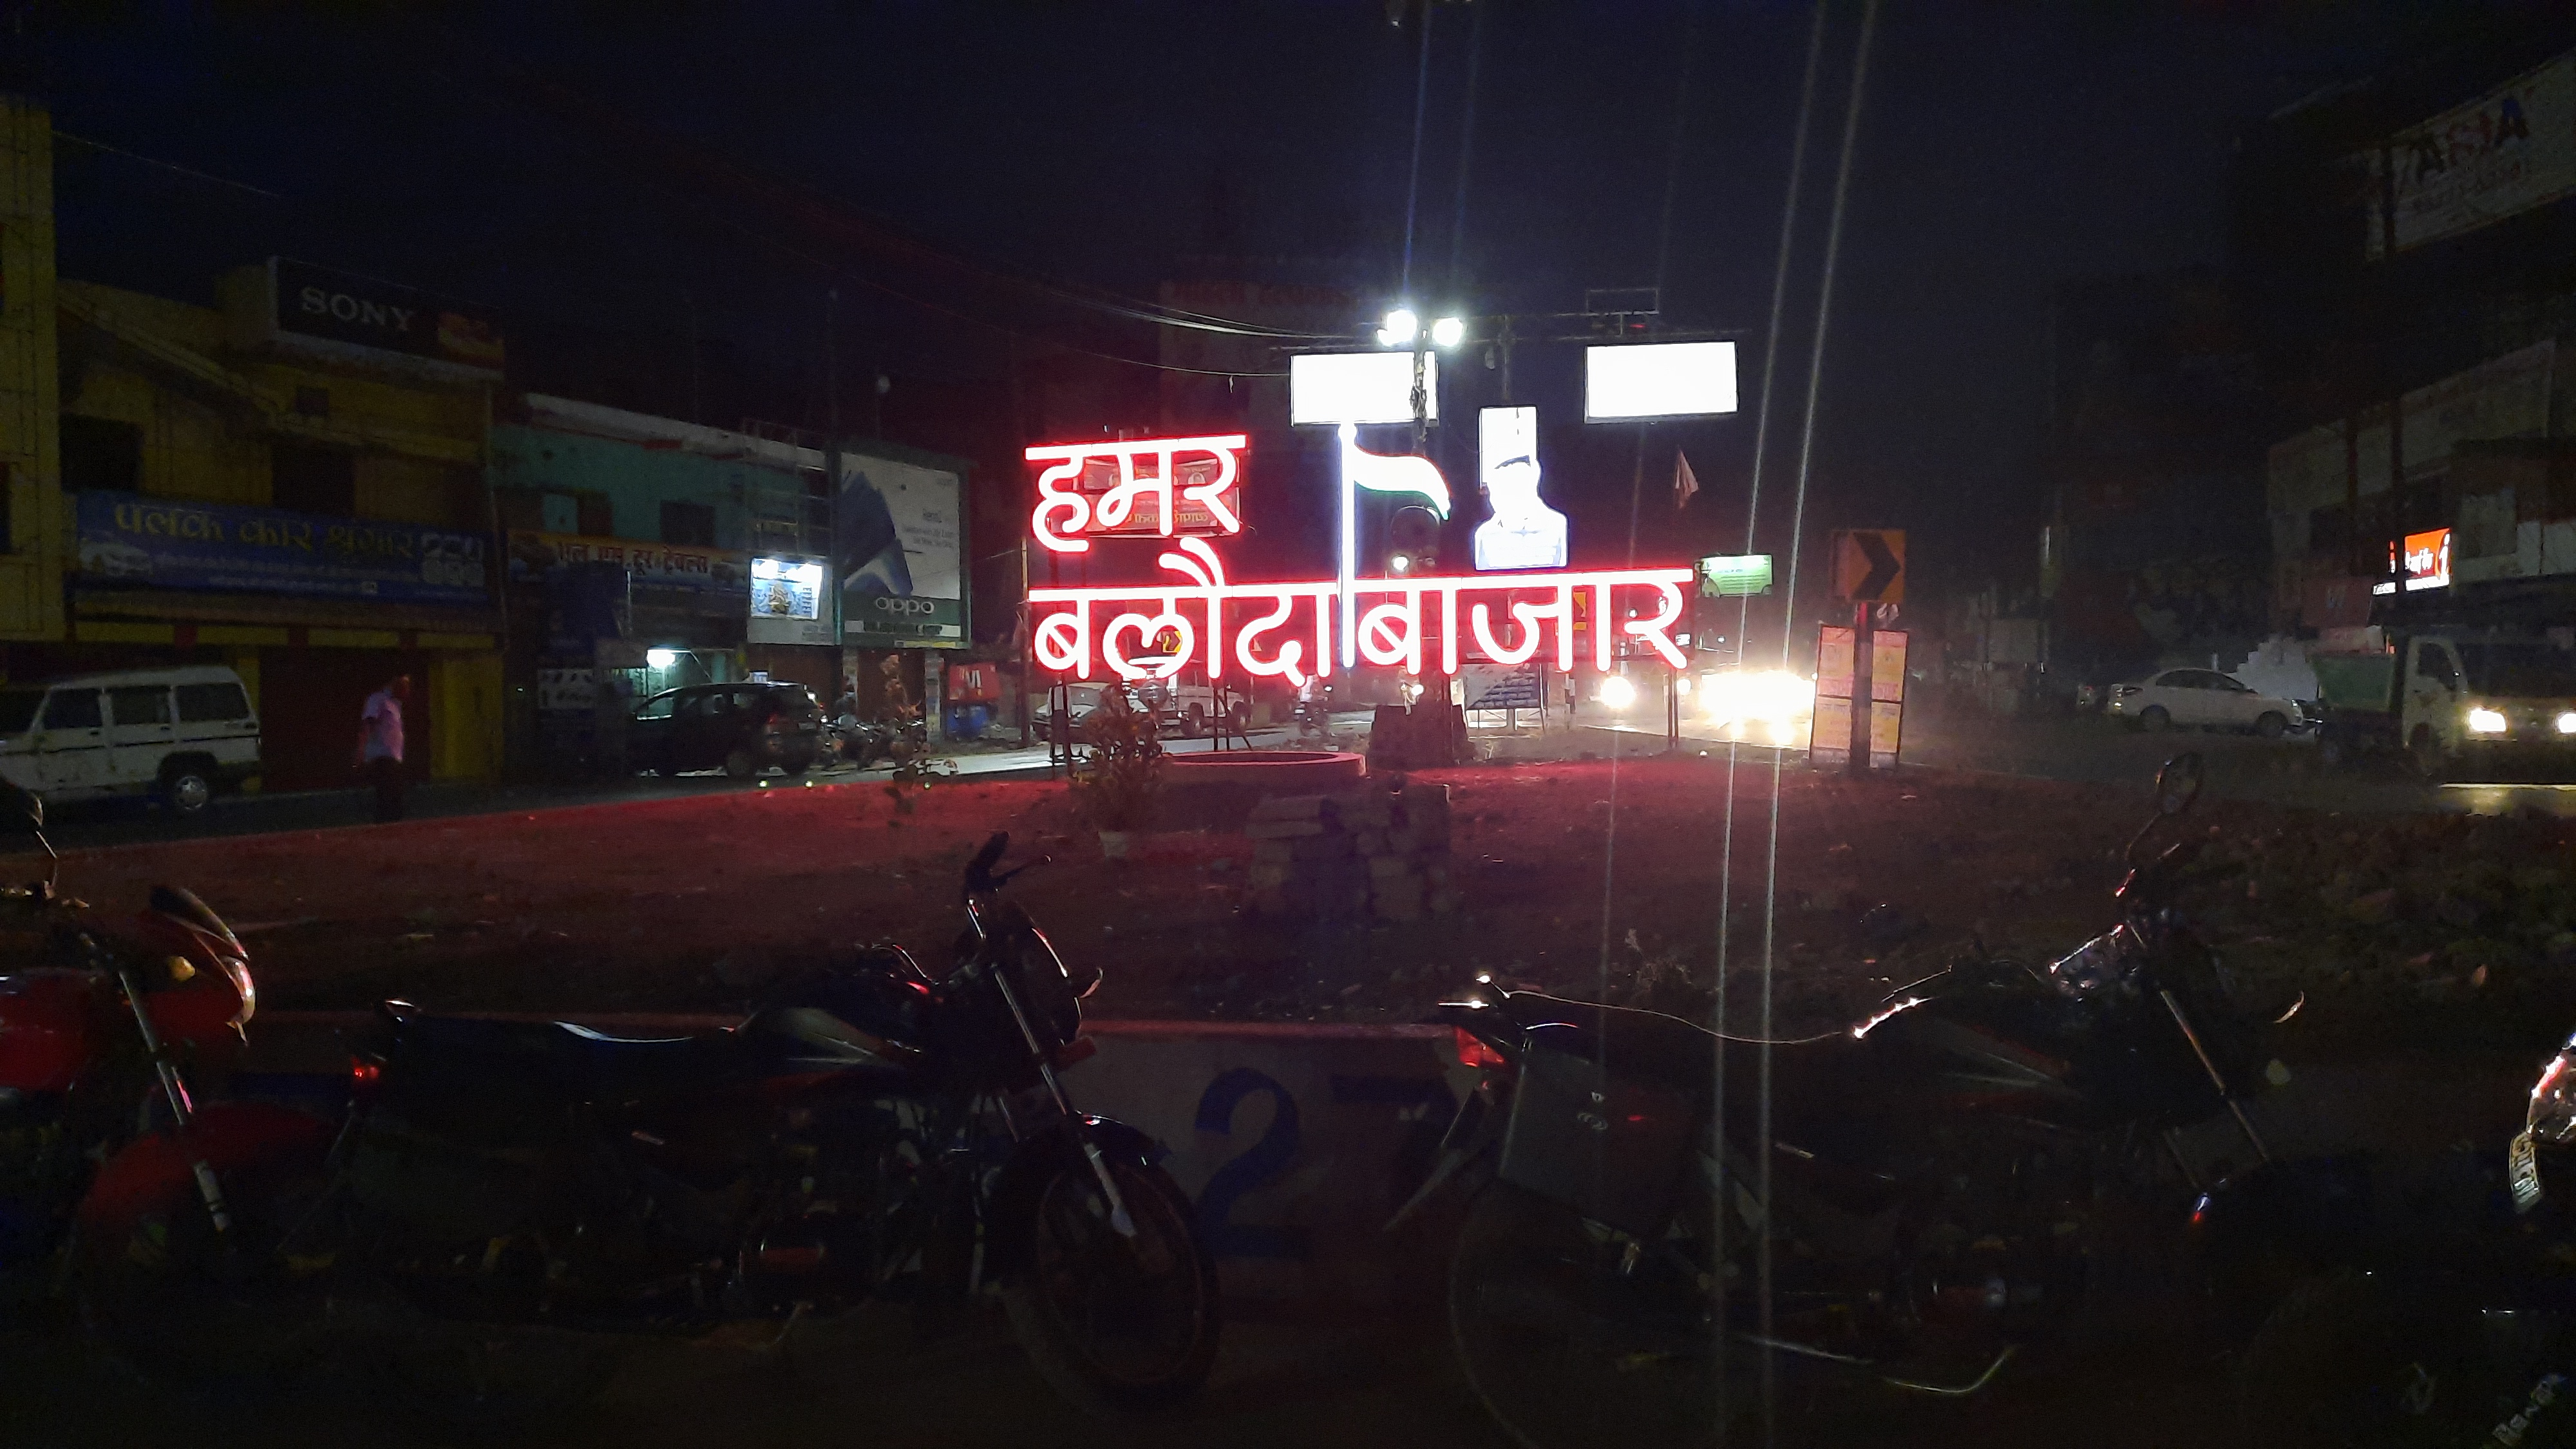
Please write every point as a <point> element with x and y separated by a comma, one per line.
<point>1254,1167</point>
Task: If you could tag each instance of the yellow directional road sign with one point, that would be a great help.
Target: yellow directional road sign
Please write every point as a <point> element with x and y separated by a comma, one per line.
<point>1869,565</point>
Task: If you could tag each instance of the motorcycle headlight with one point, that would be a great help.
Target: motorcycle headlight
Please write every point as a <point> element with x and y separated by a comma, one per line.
<point>2552,1118</point>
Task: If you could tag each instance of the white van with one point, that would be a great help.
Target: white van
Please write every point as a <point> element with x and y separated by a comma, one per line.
<point>180,733</point>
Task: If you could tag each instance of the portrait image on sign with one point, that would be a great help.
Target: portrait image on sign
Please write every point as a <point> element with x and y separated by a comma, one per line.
<point>1523,533</point>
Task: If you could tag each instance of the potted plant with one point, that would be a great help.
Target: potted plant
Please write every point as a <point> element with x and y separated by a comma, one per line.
<point>1117,784</point>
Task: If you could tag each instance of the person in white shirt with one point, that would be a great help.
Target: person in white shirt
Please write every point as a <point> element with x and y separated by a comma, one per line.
<point>380,746</point>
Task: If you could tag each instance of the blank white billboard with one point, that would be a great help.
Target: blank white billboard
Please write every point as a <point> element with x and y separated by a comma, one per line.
<point>1658,380</point>
<point>1330,388</point>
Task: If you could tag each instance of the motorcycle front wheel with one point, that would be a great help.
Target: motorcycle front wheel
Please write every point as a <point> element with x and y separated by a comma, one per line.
<point>2347,1362</point>
<point>1117,1325</point>
<point>1563,1349</point>
<point>185,1307</point>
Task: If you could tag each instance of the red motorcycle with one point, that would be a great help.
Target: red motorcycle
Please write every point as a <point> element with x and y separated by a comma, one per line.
<point>96,1043</point>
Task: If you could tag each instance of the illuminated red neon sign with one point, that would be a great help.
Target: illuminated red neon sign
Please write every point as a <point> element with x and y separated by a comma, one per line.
<point>1156,629</point>
<point>1159,487</point>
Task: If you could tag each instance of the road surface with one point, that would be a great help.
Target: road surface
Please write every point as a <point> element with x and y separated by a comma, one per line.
<point>129,821</point>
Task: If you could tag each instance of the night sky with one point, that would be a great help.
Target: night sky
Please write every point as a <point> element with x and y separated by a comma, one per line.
<point>2003,148</point>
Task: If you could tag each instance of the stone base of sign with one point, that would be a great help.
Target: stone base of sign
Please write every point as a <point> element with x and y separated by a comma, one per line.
<point>1380,851</point>
<point>1423,737</point>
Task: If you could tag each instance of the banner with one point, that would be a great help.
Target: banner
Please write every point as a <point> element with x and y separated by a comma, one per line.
<point>161,543</point>
<point>716,580</point>
<point>2506,152</point>
<point>900,554</point>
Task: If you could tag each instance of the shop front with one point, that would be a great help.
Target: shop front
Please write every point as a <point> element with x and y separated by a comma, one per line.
<point>603,623</point>
<point>314,613</point>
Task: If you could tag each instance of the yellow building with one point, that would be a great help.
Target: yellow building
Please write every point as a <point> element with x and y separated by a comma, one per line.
<point>291,483</point>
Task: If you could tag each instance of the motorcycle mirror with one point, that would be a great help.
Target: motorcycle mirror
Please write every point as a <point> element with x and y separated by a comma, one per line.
<point>2178,783</point>
<point>21,809</point>
<point>979,871</point>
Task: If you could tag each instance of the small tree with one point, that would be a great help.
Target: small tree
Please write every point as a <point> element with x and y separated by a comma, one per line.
<point>1118,784</point>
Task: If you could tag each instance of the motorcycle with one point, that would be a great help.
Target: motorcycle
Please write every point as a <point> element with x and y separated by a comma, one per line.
<point>2446,1312</point>
<point>96,1045</point>
<point>507,1200</point>
<point>1910,1201</point>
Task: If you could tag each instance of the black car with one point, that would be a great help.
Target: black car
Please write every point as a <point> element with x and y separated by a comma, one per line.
<point>745,728</point>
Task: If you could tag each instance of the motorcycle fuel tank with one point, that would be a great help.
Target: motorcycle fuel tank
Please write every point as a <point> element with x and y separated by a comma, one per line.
<point>45,1029</point>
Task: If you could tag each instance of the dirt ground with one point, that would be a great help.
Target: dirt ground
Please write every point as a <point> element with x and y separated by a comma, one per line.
<point>1592,878</point>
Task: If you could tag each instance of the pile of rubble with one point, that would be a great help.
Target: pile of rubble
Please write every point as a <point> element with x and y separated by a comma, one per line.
<point>1381,851</point>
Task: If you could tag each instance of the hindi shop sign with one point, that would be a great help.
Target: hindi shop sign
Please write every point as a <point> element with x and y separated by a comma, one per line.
<point>126,538</point>
<point>714,580</point>
<point>1196,617</point>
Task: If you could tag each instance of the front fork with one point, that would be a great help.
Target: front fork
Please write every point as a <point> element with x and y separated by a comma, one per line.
<point>1120,1220</point>
<point>174,1091</point>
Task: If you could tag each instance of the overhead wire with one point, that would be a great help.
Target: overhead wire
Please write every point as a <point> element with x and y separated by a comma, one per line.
<point>187,171</point>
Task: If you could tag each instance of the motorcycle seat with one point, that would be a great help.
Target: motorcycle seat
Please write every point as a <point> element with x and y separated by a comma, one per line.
<point>1819,1085</point>
<point>576,1059</point>
<point>626,1068</point>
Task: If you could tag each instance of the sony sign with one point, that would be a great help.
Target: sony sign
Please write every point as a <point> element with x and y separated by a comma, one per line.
<point>315,309</point>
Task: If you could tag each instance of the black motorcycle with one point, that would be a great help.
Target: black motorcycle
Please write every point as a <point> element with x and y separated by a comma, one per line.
<point>2442,1311</point>
<point>1909,1201</point>
<point>507,1198</point>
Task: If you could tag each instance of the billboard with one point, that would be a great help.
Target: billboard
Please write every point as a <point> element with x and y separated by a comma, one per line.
<point>2506,152</point>
<point>1643,380</point>
<point>900,550</point>
<point>1368,388</point>
<point>1733,575</point>
<point>159,543</point>
<point>321,310</point>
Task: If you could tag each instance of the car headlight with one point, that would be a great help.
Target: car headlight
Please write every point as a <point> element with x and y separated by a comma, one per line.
<point>2567,723</point>
<point>2484,721</point>
<point>1618,693</point>
<point>2552,1118</point>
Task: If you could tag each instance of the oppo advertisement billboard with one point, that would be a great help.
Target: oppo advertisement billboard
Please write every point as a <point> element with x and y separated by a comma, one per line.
<point>901,527</point>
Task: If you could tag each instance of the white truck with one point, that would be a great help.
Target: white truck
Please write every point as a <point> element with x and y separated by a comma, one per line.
<point>2453,703</point>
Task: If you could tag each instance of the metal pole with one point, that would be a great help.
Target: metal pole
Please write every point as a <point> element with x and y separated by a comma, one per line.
<point>1858,764</point>
<point>2388,378</point>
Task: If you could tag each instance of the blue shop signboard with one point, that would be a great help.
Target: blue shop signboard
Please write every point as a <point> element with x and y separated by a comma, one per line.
<point>164,543</point>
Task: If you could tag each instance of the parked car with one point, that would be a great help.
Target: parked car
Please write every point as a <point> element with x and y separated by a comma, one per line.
<point>1190,708</point>
<point>180,734</point>
<point>1080,701</point>
<point>745,728</point>
<point>2206,698</point>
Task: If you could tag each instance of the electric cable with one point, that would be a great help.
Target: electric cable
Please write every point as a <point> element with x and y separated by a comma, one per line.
<point>187,171</point>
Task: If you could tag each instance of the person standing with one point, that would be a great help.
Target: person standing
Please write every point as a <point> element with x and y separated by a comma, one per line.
<point>380,746</point>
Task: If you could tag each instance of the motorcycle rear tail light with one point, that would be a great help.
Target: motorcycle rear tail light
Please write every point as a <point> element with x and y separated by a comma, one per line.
<point>364,1074</point>
<point>1472,1051</point>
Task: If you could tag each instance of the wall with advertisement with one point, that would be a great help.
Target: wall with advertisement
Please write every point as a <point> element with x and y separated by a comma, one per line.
<point>900,533</point>
<point>2506,152</point>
